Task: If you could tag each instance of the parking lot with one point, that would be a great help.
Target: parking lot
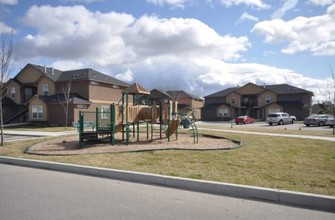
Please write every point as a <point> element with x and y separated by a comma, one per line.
<point>296,126</point>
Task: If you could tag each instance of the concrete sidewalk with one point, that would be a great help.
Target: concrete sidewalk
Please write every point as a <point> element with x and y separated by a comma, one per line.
<point>305,200</point>
<point>40,133</point>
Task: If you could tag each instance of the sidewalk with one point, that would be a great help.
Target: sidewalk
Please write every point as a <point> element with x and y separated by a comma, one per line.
<point>40,133</point>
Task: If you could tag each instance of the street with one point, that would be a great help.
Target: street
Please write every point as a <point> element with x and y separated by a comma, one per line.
<point>28,193</point>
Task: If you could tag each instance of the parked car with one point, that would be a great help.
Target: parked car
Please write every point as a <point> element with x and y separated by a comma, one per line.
<point>316,120</point>
<point>244,120</point>
<point>330,122</point>
<point>280,118</point>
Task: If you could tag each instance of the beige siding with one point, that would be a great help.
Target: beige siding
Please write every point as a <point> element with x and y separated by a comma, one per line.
<point>37,101</point>
<point>235,96</point>
<point>261,98</point>
<point>250,89</point>
<point>105,92</point>
<point>79,87</point>
<point>29,75</point>
<point>272,106</point>
<point>49,82</point>
<point>12,84</point>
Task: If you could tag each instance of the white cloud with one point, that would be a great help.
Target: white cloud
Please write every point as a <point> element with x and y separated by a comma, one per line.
<point>321,2</point>
<point>314,34</point>
<point>246,17</point>
<point>127,76</point>
<point>173,3</point>
<point>288,5</point>
<point>155,52</point>
<point>253,3</point>
<point>4,28</point>
<point>9,2</point>
<point>83,1</point>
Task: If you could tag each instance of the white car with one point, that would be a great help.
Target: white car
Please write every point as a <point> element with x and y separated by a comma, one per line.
<point>280,118</point>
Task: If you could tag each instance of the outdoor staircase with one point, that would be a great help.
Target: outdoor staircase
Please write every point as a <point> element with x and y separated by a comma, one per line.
<point>12,114</point>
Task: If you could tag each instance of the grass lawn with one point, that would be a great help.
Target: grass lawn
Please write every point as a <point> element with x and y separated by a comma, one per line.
<point>275,162</point>
<point>328,132</point>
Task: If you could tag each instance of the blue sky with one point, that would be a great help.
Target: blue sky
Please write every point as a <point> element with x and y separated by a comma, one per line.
<point>200,46</point>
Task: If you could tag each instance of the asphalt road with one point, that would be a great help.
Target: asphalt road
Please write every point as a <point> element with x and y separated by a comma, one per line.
<point>27,193</point>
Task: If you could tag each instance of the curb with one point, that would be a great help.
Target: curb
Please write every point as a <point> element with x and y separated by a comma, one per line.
<point>305,200</point>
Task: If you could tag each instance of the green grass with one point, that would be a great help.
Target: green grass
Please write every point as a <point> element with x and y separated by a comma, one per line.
<point>278,130</point>
<point>275,162</point>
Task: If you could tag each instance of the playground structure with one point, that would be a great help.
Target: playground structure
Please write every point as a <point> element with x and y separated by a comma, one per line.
<point>158,111</point>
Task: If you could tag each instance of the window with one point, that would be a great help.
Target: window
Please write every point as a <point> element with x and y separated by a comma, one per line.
<point>223,112</point>
<point>45,89</point>
<point>268,99</point>
<point>12,91</point>
<point>37,111</point>
<point>233,101</point>
<point>104,112</point>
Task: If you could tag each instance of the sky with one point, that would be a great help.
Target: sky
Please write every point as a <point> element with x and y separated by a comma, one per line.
<point>200,46</point>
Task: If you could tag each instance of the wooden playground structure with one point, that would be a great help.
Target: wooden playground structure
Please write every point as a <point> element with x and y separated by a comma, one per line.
<point>159,116</point>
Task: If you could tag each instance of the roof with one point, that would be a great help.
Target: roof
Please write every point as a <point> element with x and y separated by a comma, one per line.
<point>72,75</point>
<point>177,93</point>
<point>51,73</point>
<point>158,94</point>
<point>222,93</point>
<point>285,89</point>
<point>90,74</point>
<point>214,105</point>
<point>136,89</point>
<point>279,89</point>
<point>58,98</point>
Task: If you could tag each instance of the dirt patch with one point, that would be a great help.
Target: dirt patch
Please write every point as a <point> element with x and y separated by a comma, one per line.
<point>70,145</point>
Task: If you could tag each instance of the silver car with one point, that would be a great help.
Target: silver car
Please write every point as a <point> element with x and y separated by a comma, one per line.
<point>280,118</point>
<point>316,120</point>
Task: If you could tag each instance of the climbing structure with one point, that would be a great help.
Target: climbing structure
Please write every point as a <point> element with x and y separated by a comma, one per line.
<point>126,117</point>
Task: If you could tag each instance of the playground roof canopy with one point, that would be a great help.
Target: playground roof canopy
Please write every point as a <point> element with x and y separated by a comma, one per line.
<point>136,89</point>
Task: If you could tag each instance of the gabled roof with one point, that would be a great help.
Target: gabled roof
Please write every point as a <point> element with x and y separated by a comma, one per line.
<point>136,89</point>
<point>222,93</point>
<point>58,98</point>
<point>176,93</point>
<point>158,94</point>
<point>51,73</point>
<point>285,89</point>
<point>90,74</point>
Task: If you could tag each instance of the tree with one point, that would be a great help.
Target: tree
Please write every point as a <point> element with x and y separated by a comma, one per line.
<point>6,53</point>
<point>65,103</point>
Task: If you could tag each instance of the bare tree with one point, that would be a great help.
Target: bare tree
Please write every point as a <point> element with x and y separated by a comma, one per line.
<point>6,53</point>
<point>65,103</point>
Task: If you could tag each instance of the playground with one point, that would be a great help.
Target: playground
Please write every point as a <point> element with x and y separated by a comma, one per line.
<point>150,121</point>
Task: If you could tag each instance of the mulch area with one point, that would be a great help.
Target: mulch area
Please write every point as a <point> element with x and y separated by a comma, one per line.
<point>69,145</point>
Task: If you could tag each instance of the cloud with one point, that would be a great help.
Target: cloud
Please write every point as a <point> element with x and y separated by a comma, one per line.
<point>173,3</point>
<point>259,4</point>
<point>246,17</point>
<point>314,34</point>
<point>83,1</point>
<point>288,5</point>
<point>9,2</point>
<point>127,76</point>
<point>155,52</point>
<point>5,29</point>
<point>321,2</point>
<point>116,38</point>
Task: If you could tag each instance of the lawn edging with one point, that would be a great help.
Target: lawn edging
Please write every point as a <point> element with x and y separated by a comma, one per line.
<point>305,200</point>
